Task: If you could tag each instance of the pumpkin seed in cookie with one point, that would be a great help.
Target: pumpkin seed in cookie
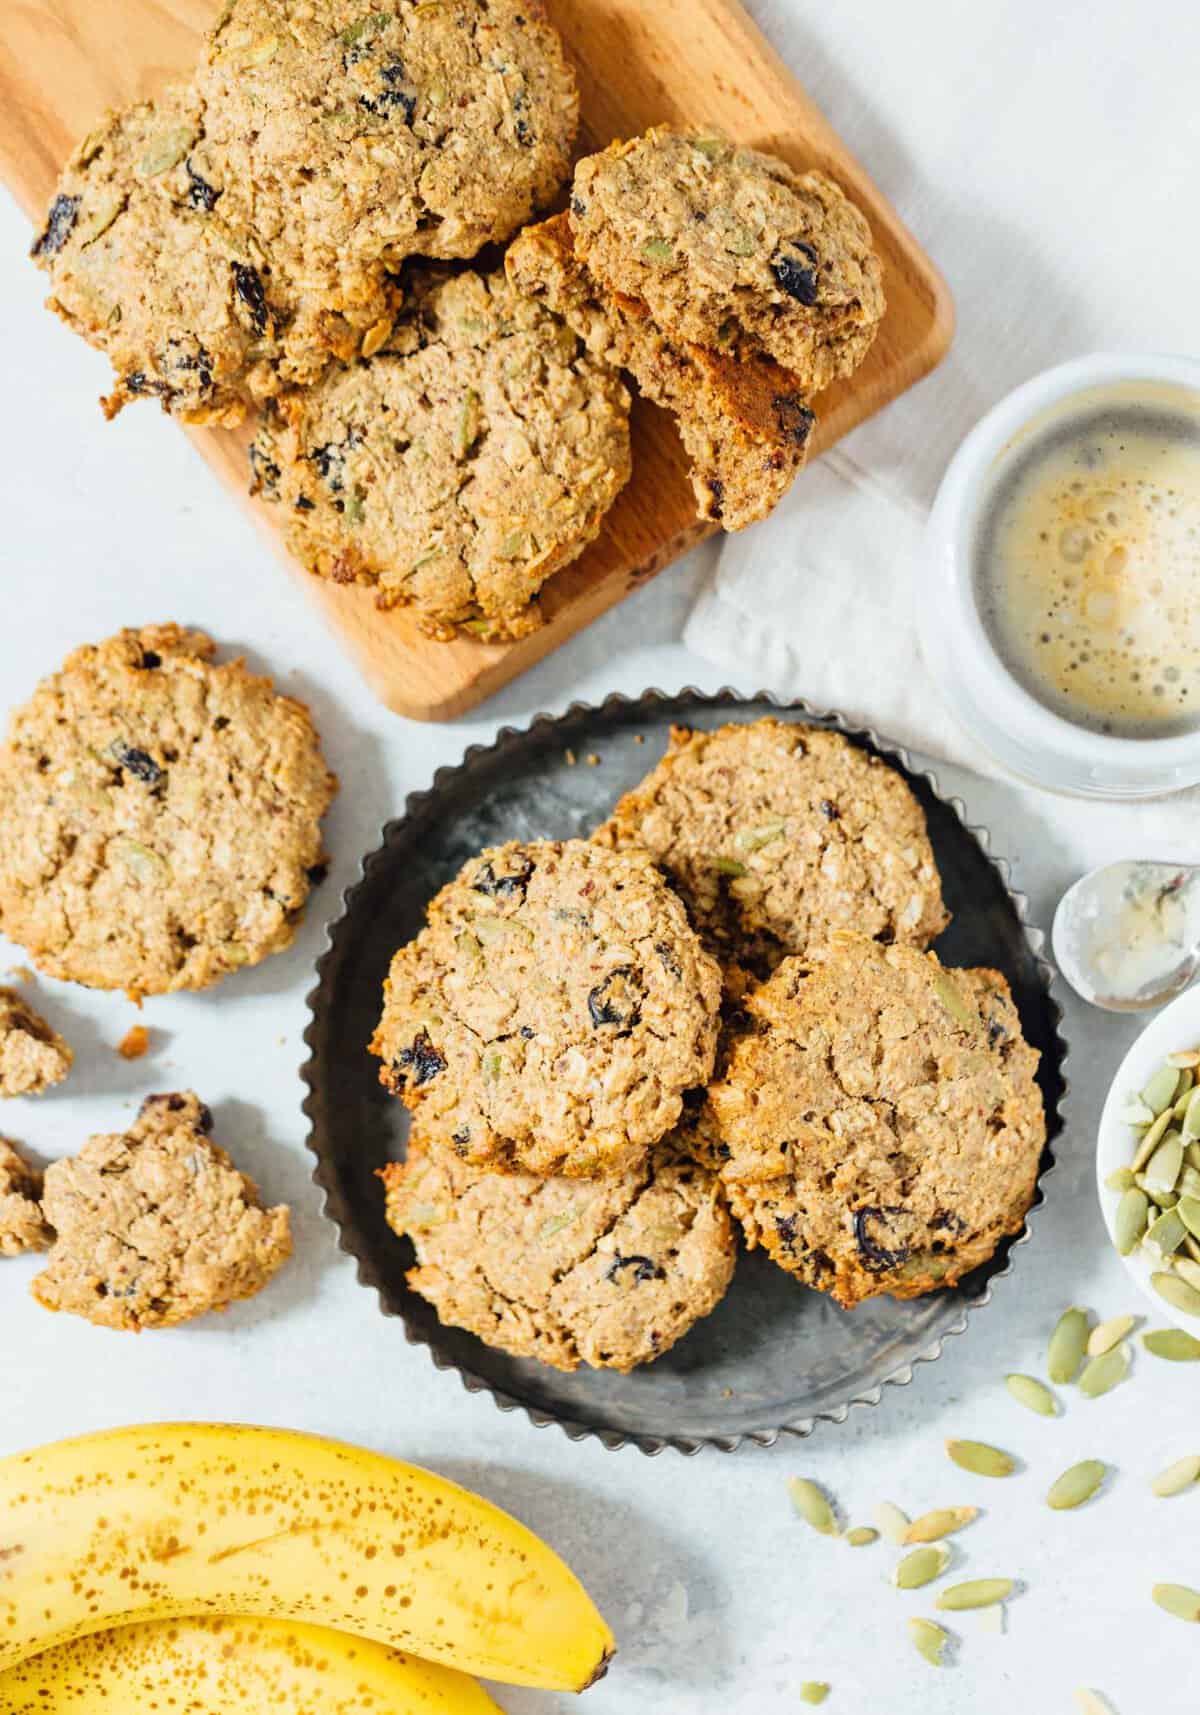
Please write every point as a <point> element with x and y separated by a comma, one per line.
<point>1104,1373</point>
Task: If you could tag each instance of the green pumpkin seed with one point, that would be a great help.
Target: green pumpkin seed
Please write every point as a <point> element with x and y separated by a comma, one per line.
<point>982,1460</point>
<point>557,1224</point>
<point>1067,1345</point>
<point>1177,1293</point>
<point>1177,1477</point>
<point>1178,1600</point>
<point>1162,1170</point>
<point>1136,1113</point>
<point>493,1066</point>
<point>712,148</point>
<point>931,1527</point>
<point>861,1536</point>
<point>893,1524</point>
<point>930,1641</point>
<point>1188,1210</point>
<point>1033,1394</point>
<point>921,1566</point>
<point>1150,1140</point>
<point>1129,1222</point>
<point>975,1593</point>
<point>814,1691</point>
<point>468,423</point>
<point>658,250</point>
<point>1185,1058</point>
<point>1191,1246</point>
<point>1104,1373</point>
<point>812,1506</point>
<point>1173,1344</point>
<point>99,220</point>
<point>1076,1485</point>
<point>729,866</point>
<point>1161,1090</point>
<point>1189,1181</point>
<point>1166,1233</point>
<point>948,993</point>
<point>1191,1117</point>
<point>1160,1199</point>
<point>1121,1179</point>
<point>1188,1269</point>
<point>1091,1703</point>
<point>1105,1335</point>
<point>753,839</point>
<point>148,867</point>
<point>166,151</point>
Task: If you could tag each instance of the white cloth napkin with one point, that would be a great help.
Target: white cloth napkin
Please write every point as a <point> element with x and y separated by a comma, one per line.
<point>1046,156</point>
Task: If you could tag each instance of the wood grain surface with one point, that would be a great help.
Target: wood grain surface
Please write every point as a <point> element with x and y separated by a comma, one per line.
<point>639,62</point>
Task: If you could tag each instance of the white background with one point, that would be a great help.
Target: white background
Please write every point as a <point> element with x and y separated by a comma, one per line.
<point>721,1599</point>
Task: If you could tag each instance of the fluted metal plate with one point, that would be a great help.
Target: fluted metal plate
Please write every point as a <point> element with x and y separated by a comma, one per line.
<point>774,1358</point>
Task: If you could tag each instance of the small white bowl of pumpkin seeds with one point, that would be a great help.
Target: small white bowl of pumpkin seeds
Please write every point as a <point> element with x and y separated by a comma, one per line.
<point>1148,1162</point>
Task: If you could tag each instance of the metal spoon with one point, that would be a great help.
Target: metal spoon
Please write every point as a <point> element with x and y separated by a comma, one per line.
<point>1127,935</point>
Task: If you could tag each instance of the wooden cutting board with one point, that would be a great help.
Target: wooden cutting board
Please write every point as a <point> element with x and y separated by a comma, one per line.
<point>698,62</point>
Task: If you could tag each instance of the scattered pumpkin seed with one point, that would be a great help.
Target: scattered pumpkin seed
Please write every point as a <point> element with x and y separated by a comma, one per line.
<point>1067,1345</point>
<point>1161,1089</point>
<point>1120,1179</point>
<point>1162,1170</point>
<point>1091,1703</point>
<point>1150,1140</point>
<point>1178,1600</point>
<point>893,1524</point>
<point>975,1593</point>
<point>1033,1394</point>
<point>812,1506</point>
<point>1104,1373</point>
<point>930,1640</point>
<point>658,250</point>
<point>1077,1484</point>
<point>1105,1335</point>
<point>1177,1477</point>
<point>931,1527</point>
<point>862,1536</point>
<point>1177,1293</point>
<point>921,1566</point>
<point>1129,1222</point>
<point>1173,1344</point>
<point>814,1691</point>
<point>982,1460</point>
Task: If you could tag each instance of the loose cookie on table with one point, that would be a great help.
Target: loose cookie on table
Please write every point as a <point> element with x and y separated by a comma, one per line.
<point>32,1056</point>
<point>22,1227</point>
<point>162,815</point>
<point>778,834</point>
<point>744,421</point>
<point>607,1272</point>
<point>552,1013</point>
<point>876,1120</point>
<point>730,248</point>
<point>458,469</point>
<point>156,1226</point>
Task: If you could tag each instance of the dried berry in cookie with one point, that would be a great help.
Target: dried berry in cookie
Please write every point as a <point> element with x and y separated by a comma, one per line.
<point>22,1227</point>
<point>32,1056</point>
<point>157,1226</point>
<point>470,459</point>
<point>162,815</point>
<point>552,1013</point>
<point>876,1120</point>
<point>777,834</point>
<point>608,1272</point>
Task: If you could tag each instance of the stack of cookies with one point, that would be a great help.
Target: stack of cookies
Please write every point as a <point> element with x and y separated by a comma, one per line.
<point>289,231</point>
<point>718,1013</point>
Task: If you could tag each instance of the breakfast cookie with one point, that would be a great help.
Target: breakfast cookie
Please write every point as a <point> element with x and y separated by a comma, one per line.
<point>21,1225</point>
<point>744,422</point>
<point>361,137</point>
<point>552,1012</point>
<point>607,1272</point>
<point>156,1226</point>
<point>876,1120</point>
<point>32,1056</point>
<point>777,835</point>
<point>730,248</point>
<point>470,459</point>
<point>162,815</point>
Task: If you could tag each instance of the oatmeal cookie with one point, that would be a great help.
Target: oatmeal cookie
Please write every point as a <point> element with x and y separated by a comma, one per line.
<point>730,248</point>
<point>552,1013</point>
<point>745,423</point>
<point>876,1120</point>
<point>777,835</point>
<point>458,469</point>
<point>607,1272</point>
<point>362,137</point>
<point>32,1056</point>
<point>162,815</point>
<point>157,1226</point>
<point>21,1225</point>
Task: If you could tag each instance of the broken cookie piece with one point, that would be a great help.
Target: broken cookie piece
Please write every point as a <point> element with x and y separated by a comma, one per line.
<point>32,1056</point>
<point>21,1225</point>
<point>157,1226</point>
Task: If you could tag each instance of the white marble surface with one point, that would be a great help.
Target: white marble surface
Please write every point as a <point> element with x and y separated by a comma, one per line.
<point>722,1600</point>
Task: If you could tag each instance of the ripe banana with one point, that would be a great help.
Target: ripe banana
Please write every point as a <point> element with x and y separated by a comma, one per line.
<point>235,1667</point>
<point>174,1519</point>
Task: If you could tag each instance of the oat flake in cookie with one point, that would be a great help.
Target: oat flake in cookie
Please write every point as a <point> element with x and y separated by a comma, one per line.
<point>461,466</point>
<point>876,1120</point>
<point>162,815</point>
<point>32,1056</point>
<point>777,834</point>
<point>607,1272</point>
<point>552,1013</point>
<point>156,1226</point>
<point>22,1227</point>
<point>728,245</point>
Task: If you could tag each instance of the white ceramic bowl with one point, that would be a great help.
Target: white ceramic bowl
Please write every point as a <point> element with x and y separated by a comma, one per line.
<point>1020,732</point>
<point>1175,1028</point>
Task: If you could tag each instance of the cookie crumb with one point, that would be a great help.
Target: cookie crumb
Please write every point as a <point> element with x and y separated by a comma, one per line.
<point>134,1043</point>
<point>21,1225</point>
<point>639,738</point>
<point>593,761</point>
<point>32,1056</point>
<point>571,757</point>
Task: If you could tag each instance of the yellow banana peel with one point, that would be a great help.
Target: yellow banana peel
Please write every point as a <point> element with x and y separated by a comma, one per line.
<point>235,1666</point>
<point>175,1519</point>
